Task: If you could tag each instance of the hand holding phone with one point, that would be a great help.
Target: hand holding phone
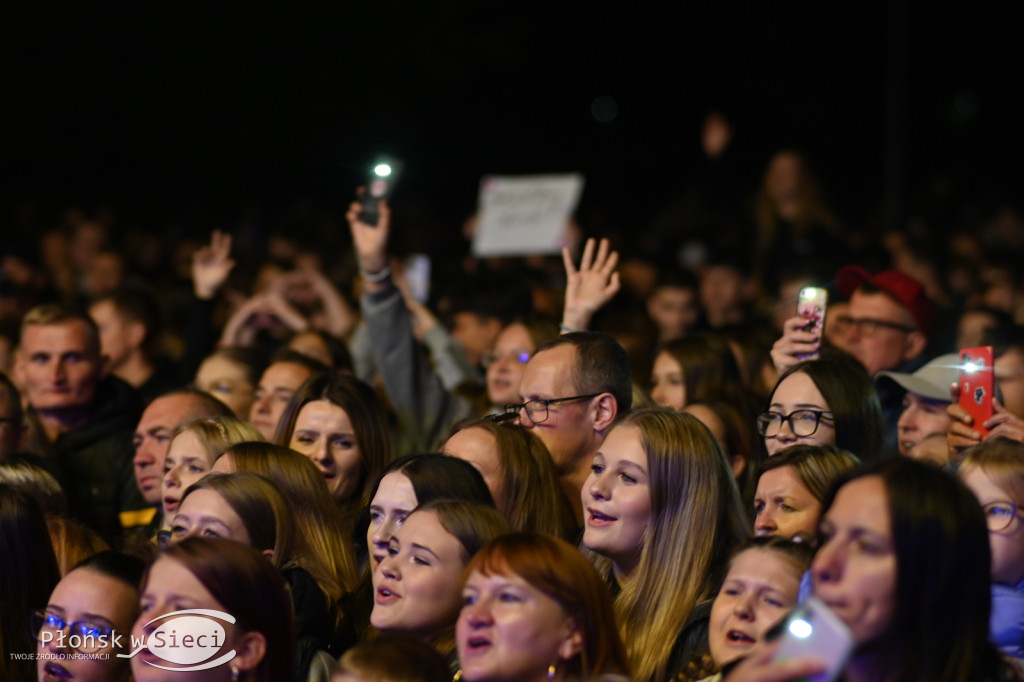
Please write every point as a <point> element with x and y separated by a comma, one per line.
<point>977,385</point>
<point>379,185</point>
<point>812,630</point>
<point>811,305</point>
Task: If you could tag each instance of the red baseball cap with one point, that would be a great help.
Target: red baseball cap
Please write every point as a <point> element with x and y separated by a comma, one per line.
<point>901,287</point>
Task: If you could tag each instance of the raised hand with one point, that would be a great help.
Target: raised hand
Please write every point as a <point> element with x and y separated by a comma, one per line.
<point>590,286</point>
<point>794,342</point>
<point>371,242</point>
<point>211,265</point>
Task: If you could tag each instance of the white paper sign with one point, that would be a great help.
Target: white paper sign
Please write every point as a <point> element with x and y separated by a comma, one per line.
<point>525,214</point>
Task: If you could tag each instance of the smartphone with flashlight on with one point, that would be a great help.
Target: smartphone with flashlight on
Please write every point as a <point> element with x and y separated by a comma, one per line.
<point>977,385</point>
<point>379,185</point>
<point>812,631</point>
<point>811,304</point>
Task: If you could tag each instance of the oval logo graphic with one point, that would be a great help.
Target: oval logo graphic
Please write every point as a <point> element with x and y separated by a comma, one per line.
<point>187,640</point>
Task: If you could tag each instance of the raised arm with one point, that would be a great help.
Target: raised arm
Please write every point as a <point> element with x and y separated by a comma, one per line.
<point>590,286</point>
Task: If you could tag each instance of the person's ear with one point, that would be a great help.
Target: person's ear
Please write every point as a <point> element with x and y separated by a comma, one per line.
<point>605,410</point>
<point>136,332</point>
<point>572,643</point>
<point>269,553</point>
<point>251,648</point>
<point>738,464</point>
<point>916,342</point>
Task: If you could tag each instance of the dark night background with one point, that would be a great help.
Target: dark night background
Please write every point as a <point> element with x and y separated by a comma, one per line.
<point>156,106</point>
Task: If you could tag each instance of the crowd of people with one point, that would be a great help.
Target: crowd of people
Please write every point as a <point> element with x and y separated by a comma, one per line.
<point>615,467</point>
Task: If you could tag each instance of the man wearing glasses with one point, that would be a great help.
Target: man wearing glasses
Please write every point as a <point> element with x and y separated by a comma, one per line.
<point>572,389</point>
<point>885,326</point>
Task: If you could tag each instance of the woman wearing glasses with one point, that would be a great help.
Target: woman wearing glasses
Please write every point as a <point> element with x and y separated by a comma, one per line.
<point>824,402</point>
<point>994,472</point>
<point>90,611</point>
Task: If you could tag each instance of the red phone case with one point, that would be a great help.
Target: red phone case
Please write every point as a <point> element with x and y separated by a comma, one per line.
<point>977,384</point>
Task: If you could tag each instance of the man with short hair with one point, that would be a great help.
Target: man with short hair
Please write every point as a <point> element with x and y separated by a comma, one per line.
<point>129,325</point>
<point>573,388</point>
<point>155,428</point>
<point>923,422</point>
<point>885,326</point>
<point>887,323</point>
<point>86,421</point>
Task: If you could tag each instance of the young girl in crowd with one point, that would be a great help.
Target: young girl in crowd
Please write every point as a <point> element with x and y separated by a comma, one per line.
<point>215,574</point>
<point>534,609</point>
<point>824,402</point>
<point>99,597</point>
<point>792,486</point>
<point>231,376</point>
<point>662,514</point>
<point>318,520</point>
<point>700,367</point>
<point>339,423</point>
<point>518,470</point>
<point>759,589</point>
<point>904,563</point>
<point>190,455</point>
<point>406,483</point>
<point>416,585</point>
<point>249,509</point>
<point>994,471</point>
<point>507,360</point>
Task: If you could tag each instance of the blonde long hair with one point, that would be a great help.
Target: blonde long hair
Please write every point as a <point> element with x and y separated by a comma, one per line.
<point>697,519</point>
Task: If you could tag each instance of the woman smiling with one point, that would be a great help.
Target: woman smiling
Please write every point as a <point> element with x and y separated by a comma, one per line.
<point>663,514</point>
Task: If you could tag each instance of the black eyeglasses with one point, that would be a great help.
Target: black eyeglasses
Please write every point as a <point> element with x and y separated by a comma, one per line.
<point>869,326</point>
<point>537,410</point>
<point>84,636</point>
<point>999,515</point>
<point>803,423</point>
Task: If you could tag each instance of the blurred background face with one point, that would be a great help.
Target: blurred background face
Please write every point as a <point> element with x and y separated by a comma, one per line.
<point>60,365</point>
<point>668,388</point>
<point>506,362</point>
<point>276,387</point>
<point>674,310</point>
<point>478,447</point>
<point>228,382</point>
